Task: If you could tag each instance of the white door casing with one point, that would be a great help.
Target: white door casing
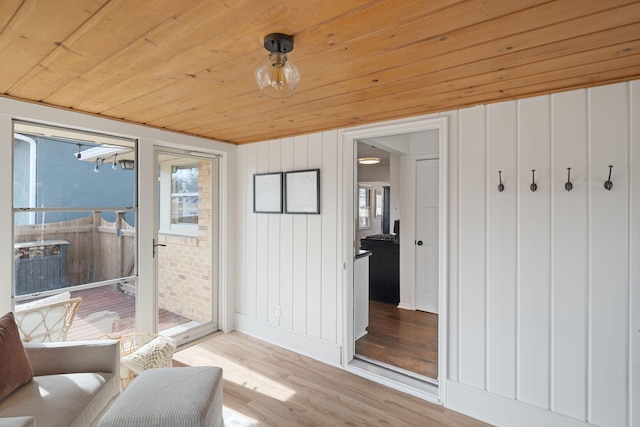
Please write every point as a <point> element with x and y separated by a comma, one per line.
<point>350,136</point>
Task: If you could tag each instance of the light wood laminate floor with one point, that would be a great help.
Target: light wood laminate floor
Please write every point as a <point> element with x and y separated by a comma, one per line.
<point>407,339</point>
<point>276,387</point>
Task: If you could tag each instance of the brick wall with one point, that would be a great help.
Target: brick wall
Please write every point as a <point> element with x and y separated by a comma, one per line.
<point>185,264</point>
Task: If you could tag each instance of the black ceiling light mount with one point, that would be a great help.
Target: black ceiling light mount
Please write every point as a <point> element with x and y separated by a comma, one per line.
<point>277,75</point>
<point>278,42</point>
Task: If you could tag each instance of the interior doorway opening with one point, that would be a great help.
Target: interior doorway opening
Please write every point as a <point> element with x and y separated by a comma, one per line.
<point>400,335</point>
<point>399,282</point>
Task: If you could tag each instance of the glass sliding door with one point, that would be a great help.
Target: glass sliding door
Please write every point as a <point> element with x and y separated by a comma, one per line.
<point>186,245</point>
<point>74,215</point>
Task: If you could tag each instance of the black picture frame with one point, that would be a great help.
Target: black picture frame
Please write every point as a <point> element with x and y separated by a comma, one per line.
<point>302,192</point>
<point>267,192</point>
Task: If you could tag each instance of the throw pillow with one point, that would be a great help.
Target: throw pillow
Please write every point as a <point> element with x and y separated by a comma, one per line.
<point>155,354</point>
<point>15,368</point>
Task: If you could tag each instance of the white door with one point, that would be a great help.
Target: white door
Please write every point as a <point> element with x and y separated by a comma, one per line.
<point>427,210</point>
<point>185,245</point>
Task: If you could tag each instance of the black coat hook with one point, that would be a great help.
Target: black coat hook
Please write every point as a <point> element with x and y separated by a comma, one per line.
<point>568,186</point>
<point>500,186</point>
<point>533,185</point>
<point>608,184</point>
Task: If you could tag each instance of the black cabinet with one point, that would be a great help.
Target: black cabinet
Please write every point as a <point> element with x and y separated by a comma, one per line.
<point>384,268</point>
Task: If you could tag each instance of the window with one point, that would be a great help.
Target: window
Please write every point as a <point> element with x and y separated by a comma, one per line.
<point>184,195</point>
<point>364,207</point>
<point>74,234</point>
<point>178,180</point>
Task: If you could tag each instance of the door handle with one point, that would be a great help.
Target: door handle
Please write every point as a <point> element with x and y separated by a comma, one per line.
<point>155,245</point>
<point>419,243</point>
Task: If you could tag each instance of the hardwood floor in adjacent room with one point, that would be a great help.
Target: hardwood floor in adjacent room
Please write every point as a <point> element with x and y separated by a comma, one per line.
<point>406,339</point>
<point>272,386</point>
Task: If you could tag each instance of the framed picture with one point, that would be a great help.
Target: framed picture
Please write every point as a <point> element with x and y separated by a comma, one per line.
<point>302,192</point>
<point>267,192</point>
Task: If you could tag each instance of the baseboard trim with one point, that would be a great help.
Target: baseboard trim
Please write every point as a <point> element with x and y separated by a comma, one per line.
<point>329,353</point>
<point>501,411</point>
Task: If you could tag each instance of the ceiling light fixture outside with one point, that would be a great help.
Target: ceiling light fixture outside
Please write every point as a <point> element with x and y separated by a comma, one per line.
<point>369,160</point>
<point>126,164</point>
<point>277,75</point>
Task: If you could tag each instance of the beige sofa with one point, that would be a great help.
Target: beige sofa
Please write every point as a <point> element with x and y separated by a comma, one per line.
<point>73,384</point>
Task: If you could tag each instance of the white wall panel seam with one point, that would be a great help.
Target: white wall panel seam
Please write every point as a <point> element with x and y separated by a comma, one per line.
<point>551,254</point>
<point>517,272</point>
<point>634,138</point>
<point>486,247</point>
<point>588,396</point>
<point>459,248</point>
<point>629,237</point>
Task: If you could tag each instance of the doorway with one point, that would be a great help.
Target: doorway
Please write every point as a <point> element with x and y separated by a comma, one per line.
<point>185,244</point>
<point>401,340</point>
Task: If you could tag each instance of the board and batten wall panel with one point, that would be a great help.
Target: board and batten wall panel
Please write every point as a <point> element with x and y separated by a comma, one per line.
<point>286,248</point>
<point>501,249</point>
<point>299,243</point>
<point>291,261</point>
<point>533,252</point>
<point>545,276</point>
<point>608,249</point>
<point>330,237</point>
<point>244,205</point>
<point>472,247</point>
<point>273,247</point>
<point>262,244</point>
<point>314,248</point>
<point>569,257</point>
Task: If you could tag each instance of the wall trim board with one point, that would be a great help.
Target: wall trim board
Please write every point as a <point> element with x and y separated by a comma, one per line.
<point>501,411</point>
<point>306,345</point>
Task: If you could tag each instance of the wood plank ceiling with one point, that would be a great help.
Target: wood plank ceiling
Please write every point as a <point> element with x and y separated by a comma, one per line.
<point>188,65</point>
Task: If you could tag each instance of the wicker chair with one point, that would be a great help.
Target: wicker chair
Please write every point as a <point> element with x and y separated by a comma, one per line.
<point>48,322</point>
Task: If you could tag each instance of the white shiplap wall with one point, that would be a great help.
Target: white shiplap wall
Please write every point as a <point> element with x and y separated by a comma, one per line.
<point>545,277</point>
<point>544,287</point>
<point>291,261</point>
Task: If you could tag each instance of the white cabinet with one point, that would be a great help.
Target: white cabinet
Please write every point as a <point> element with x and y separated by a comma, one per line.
<point>361,293</point>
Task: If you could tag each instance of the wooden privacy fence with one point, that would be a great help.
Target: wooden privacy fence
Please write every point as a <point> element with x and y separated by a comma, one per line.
<point>97,249</point>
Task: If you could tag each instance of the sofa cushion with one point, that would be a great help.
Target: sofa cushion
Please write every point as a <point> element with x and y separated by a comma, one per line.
<point>185,397</point>
<point>15,368</point>
<point>61,400</point>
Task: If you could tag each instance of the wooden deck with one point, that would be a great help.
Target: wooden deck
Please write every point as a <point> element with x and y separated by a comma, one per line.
<point>109,311</point>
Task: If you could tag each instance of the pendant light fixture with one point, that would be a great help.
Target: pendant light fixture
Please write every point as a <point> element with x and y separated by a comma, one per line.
<point>277,75</point>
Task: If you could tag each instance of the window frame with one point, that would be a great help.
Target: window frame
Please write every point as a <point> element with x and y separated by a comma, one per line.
<point>367,206</point>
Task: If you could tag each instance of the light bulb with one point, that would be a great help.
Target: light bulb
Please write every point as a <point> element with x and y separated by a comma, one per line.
<point>277,75</point>
<point>278,79</point>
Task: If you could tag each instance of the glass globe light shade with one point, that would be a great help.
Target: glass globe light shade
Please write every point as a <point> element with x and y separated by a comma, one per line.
<point>277,75</point>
